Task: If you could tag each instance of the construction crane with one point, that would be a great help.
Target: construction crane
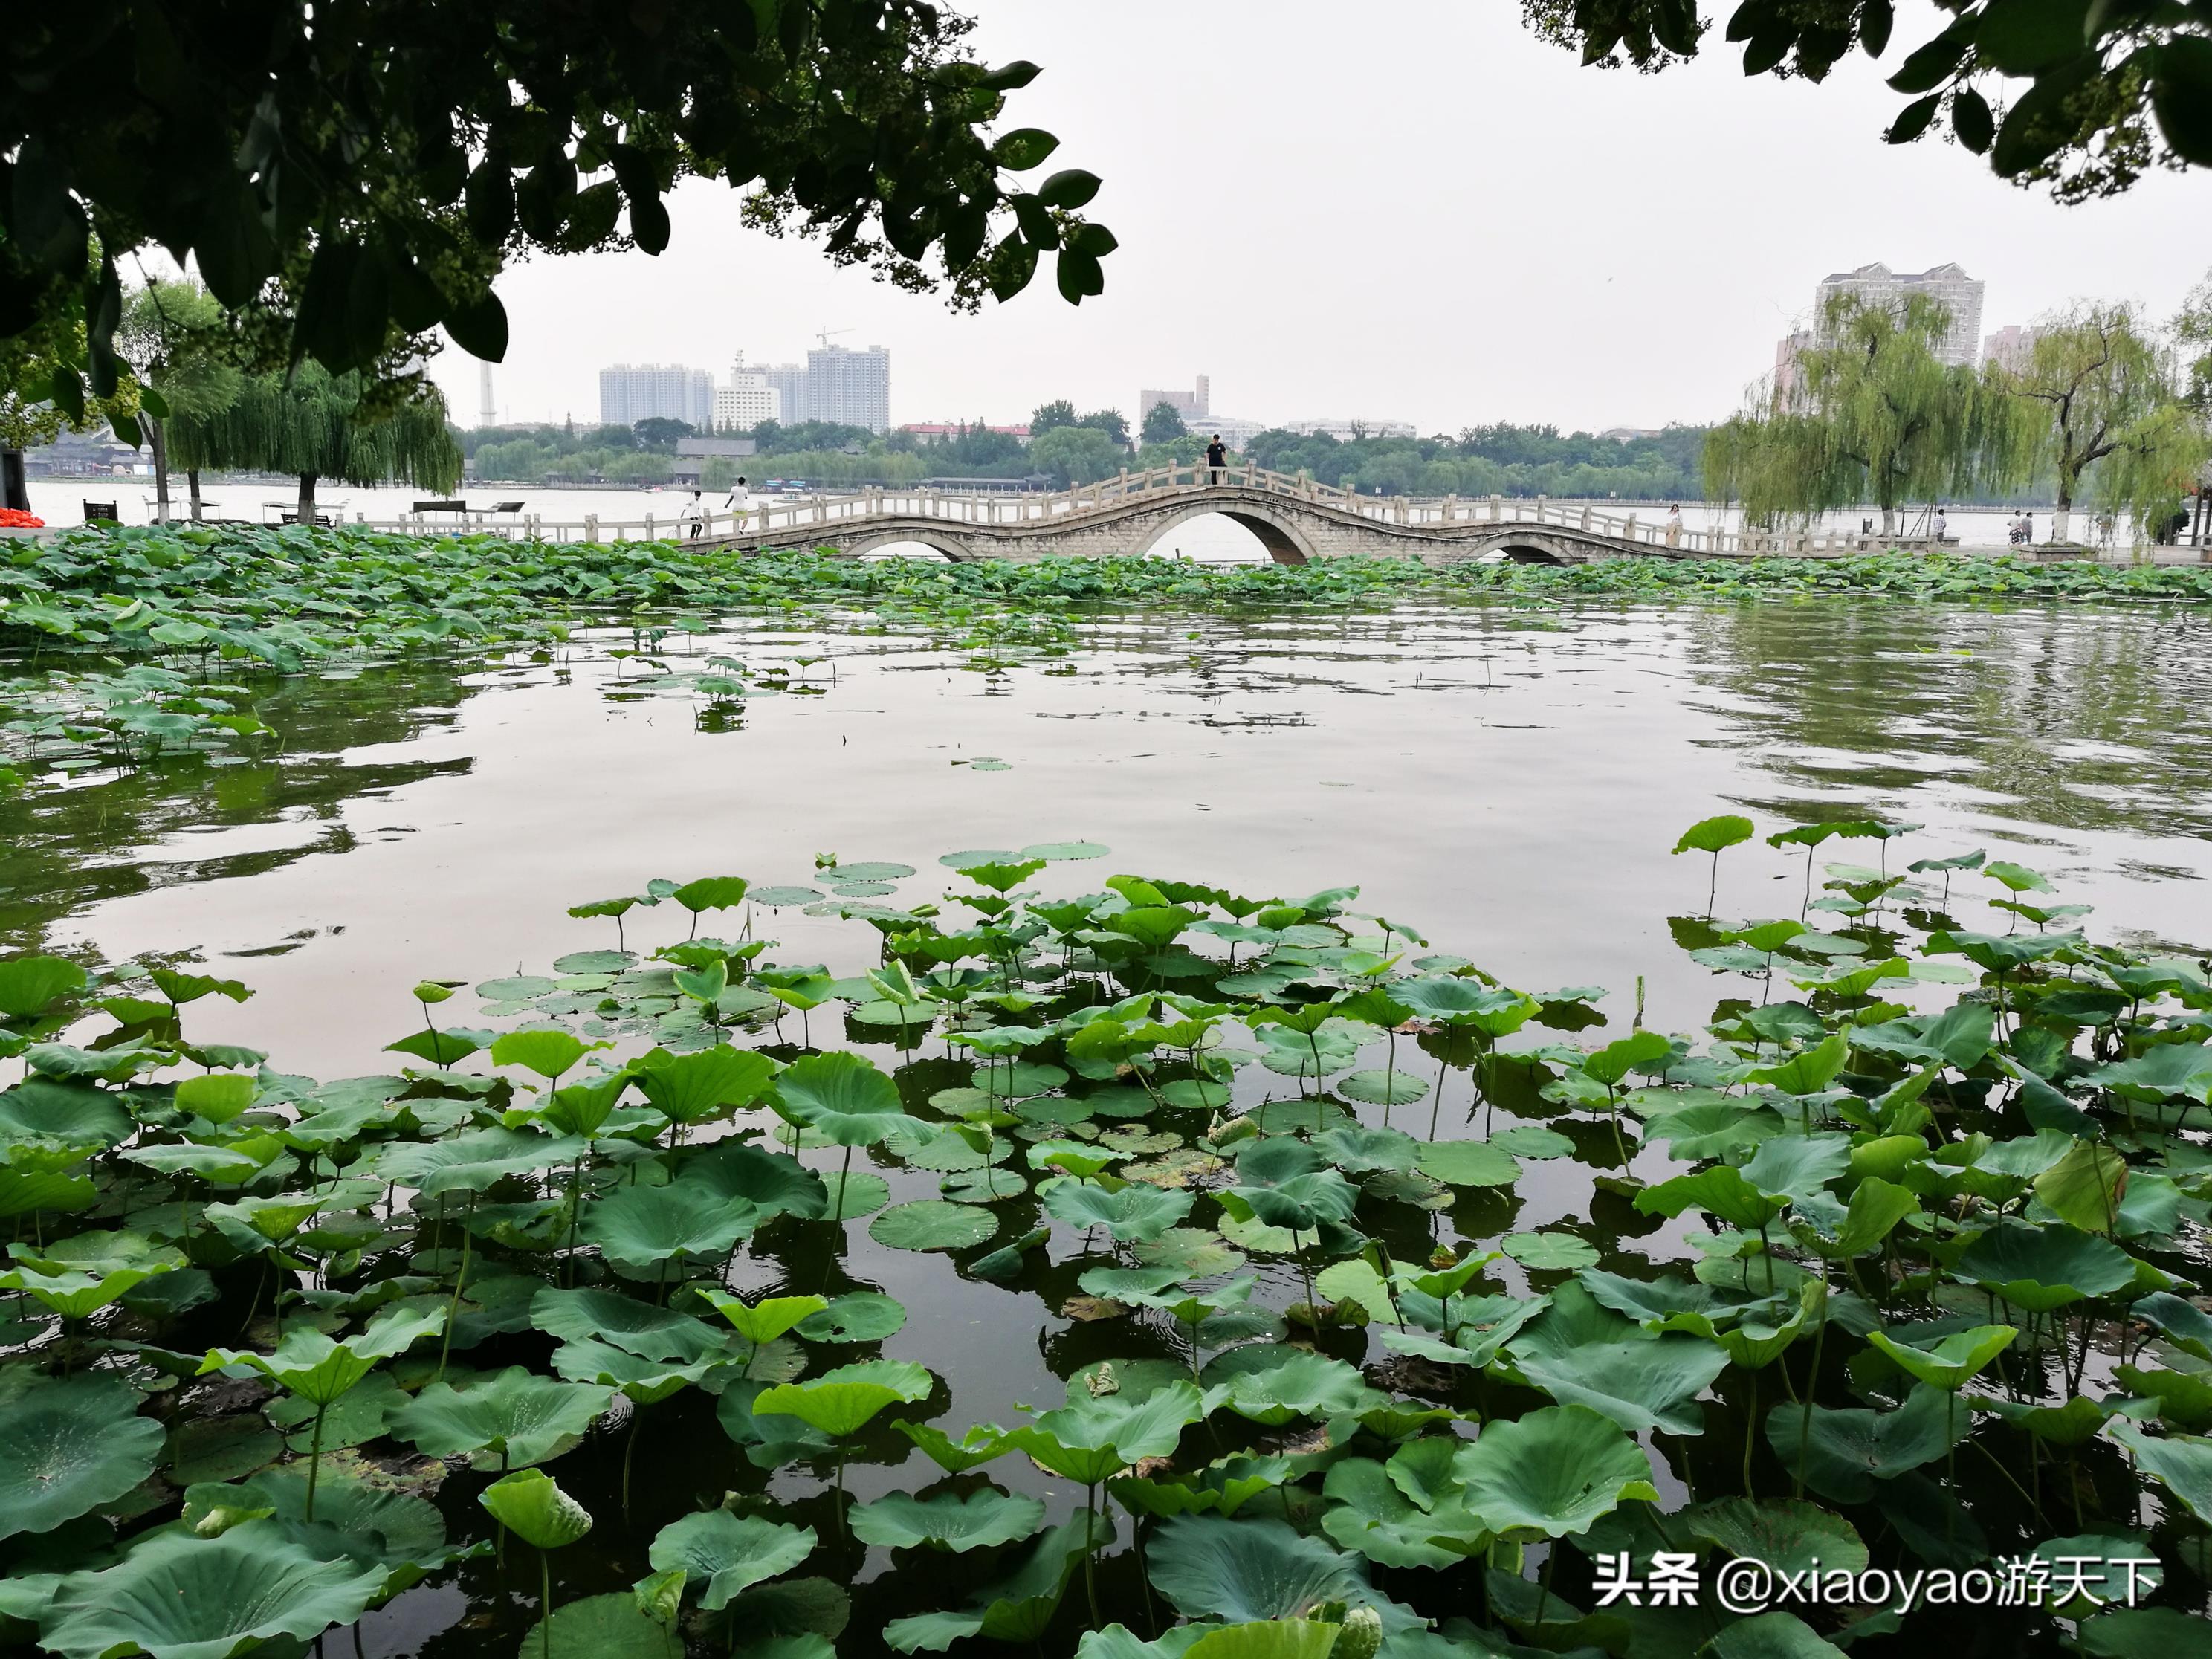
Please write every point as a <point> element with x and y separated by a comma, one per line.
<point>823,336</point>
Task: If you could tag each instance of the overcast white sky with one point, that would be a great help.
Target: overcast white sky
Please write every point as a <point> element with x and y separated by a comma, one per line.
<point>1410,210</point>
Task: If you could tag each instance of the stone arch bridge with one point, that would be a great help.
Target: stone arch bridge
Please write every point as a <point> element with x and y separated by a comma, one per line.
<point>1295,520</point>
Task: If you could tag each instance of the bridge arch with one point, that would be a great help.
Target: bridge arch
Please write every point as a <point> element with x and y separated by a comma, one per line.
<point>1286,543</point>
<point>953,548</point>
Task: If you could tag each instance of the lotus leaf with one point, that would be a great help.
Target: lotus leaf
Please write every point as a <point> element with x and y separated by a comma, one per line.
<point>1847,1450</point>
<point>643,1226</point>
<point>176,1597</point>
<point>1371,1515</point>
<point>1134,1213</point>
<point>1551,1474</point>
<point>637,1327</point>
<point>1951,1362</point>
<point>1017,1608</point>
<point>69,1445</point>
<point>947,1521</point>
<point>1787,1533</point>
<point>1243,1572</point>
<point>599,1626</point>
<point>727,1554</point>
<point>932,1224</point>
<point>844,1400</point>
<point>508,1420</point>
<point>531,1505</point>
<point>855,1316</point>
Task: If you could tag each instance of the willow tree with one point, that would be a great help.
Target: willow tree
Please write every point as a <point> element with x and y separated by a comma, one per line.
<point>2097,406</point>
<point>1871,414</point>
<point>174,336</point>
<point>317,425</point>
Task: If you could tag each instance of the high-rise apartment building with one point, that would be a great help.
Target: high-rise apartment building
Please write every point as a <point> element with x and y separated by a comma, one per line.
<point>1191,405</point>
<point>1878,285</point>
<point>630,393</point>
<point>746,400</point>
<point>788,382</point>
<point>2011,347</point>
<point>849,387</point>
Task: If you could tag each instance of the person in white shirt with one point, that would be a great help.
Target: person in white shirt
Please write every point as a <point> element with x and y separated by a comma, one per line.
<point>741,498</point>
<point>1942,524</point>
<point>1674,524</point>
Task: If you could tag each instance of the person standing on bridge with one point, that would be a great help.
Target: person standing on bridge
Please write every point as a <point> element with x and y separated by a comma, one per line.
<point>1674,524</point>
<point>695,514</point>
<point>1217,457</point>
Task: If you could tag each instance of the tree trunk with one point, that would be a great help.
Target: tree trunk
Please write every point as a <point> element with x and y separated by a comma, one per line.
<point>2059,523</point>
<point>192,483</point>
<point>306,509</point>
<point>12,486</point>
<point>157,440</point>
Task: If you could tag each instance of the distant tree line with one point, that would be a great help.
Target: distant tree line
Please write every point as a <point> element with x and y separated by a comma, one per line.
<point>1496,460</point>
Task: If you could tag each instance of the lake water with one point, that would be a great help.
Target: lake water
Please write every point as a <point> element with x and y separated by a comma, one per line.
<point>1506,780</point>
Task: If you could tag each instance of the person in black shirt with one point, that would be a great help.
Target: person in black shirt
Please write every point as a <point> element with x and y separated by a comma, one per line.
<point>1217,457</point>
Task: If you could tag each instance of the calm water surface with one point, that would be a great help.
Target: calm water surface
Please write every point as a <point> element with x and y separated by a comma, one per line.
<point>1506,780</point>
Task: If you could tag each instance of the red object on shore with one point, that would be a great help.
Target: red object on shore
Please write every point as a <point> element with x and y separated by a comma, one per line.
<point>14,517</point>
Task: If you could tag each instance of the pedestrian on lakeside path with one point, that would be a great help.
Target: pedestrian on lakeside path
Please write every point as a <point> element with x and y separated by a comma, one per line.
<point>1217,457</point>
<point>1943,526</point>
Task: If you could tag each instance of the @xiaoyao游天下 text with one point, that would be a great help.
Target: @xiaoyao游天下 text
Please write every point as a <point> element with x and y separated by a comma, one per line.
<point>1747,1585</point>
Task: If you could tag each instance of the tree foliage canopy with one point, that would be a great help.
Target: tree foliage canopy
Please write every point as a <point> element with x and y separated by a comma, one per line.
<point>310,423</point>
<point>2086,95</point>
<point>1873,414</point>
<point>378,164</point>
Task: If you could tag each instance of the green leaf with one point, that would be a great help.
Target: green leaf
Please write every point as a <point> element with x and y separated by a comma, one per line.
<point>1023,149</point>
<point>310,1364</point>
<point>845,1099</point>
<point>1243,1571</point>
<point>31,984</point>
<point>1370,1515</point>
<point>946,1520</point>
<point>1788,1533</point>
<point>1551,1474</point>
<point>2181,1463</point>
<point>68,1446</point>
<point>1468,1163</point>
<point>640,1227</point>
<point>1951,1363</point>
<point>728,1553</point>
<point>1715,834</point>
<point>176,1597</point>
<point>549,1053</point>
<point>768,1318</point>
<point>711,893</point>
<point>1641,1384</point>
<point>2084,1187</point>
<point>932,1223</point>
<point>218,1096</point>
<point>1847,1450</point>
<point>1771,1636</point>
<point>505,1420</point>
<point>529,1505</point>
<point>844,1401</point>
